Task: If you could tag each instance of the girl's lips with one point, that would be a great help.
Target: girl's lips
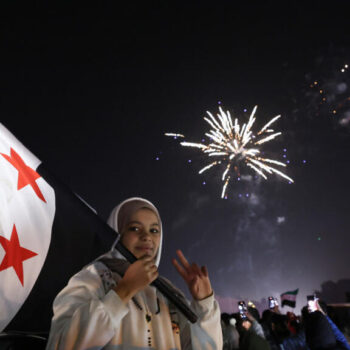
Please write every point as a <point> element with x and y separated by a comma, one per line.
<point>148,249</point>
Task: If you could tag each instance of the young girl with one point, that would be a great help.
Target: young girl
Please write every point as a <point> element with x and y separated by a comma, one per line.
<point>100,308</point>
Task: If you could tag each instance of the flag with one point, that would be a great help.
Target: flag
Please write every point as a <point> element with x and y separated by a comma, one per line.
<point>289,298</point>
<point>45,238</point>
<point>47,234</point>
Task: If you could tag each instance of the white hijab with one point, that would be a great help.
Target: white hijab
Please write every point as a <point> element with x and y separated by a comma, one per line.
<point>124,210</point>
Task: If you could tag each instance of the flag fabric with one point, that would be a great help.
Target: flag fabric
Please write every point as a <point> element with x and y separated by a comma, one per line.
<point>27,206</point>
<point>45,238</point>
<point>289,298</point>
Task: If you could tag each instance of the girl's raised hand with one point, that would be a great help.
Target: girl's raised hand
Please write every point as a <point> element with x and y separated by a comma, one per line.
<point>196,278</point>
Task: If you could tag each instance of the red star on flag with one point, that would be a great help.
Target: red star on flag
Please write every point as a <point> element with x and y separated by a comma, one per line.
<point>14,254</point>
<point>26,175</point>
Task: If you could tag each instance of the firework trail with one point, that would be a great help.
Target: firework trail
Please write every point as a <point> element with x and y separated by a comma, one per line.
<point>231,143</point>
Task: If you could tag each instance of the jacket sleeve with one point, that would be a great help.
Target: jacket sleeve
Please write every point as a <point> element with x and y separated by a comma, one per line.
<point>84,315</point>
<point>257,329</point>
<point>338,334</point>
<point>206,333</point>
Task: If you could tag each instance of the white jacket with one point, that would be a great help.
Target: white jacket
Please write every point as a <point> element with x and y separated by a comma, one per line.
<point>89,315</point>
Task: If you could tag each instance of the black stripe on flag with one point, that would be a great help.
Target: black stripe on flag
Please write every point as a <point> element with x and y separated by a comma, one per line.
<point>76,240</point>
<point>290,303</point>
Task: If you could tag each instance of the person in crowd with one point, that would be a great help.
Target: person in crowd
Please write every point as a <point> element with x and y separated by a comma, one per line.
<point>339,336</point>
<point>283,337</point>
<point>293,323</point>
<point>248,338</point>
<point>256,327</point>
<point>318,332</point>
<point>118,308</point>
<point>266,323</point>
<point>229,331</point>
<point>277,331</point>
<point>253,311</point>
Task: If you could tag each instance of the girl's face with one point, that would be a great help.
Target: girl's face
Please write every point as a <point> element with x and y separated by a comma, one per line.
<point>141,235</point>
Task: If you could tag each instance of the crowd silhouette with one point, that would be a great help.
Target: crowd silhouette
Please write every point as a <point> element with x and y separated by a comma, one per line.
<point>318,327</point>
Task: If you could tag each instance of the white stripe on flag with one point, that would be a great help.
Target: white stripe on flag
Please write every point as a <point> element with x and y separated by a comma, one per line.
<point>23,214</point>
<point>290,297</point>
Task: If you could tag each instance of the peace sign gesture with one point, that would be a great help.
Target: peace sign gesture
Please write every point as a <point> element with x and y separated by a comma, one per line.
<point>196,278</point>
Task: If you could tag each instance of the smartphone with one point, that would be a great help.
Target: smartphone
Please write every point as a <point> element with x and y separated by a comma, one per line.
<point>242,306</point>
<point>311,303</point>
<point>272,302</point>
<point>242,309</point>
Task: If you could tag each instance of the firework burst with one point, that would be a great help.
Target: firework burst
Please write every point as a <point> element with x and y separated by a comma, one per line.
<point>230,144</point>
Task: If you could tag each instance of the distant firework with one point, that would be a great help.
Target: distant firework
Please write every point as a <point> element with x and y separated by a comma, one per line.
<point>232,144</point>
<point>329,94</point>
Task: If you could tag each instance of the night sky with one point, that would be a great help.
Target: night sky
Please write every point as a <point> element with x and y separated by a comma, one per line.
<point>91,90</point>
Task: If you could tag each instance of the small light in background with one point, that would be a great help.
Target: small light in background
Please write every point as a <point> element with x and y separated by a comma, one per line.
<point>251,304</point>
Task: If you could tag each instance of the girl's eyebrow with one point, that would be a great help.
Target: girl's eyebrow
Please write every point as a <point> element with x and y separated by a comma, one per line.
<point>139,223</point>
<point>135,222</point>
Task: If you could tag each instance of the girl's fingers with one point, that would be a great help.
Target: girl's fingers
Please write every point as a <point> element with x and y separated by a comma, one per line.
<point>149,266</point>
<point>179,268</point>
<point>204,271</point>
<point>196,269</point>
<point>187,270</point>
<point>182,259</point>
<point>153,268</point>
<point>155,273</point>
<point>146,258</point>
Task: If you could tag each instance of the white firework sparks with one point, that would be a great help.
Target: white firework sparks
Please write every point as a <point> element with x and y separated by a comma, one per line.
<point>230,144</point>
<point>174,135</point>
